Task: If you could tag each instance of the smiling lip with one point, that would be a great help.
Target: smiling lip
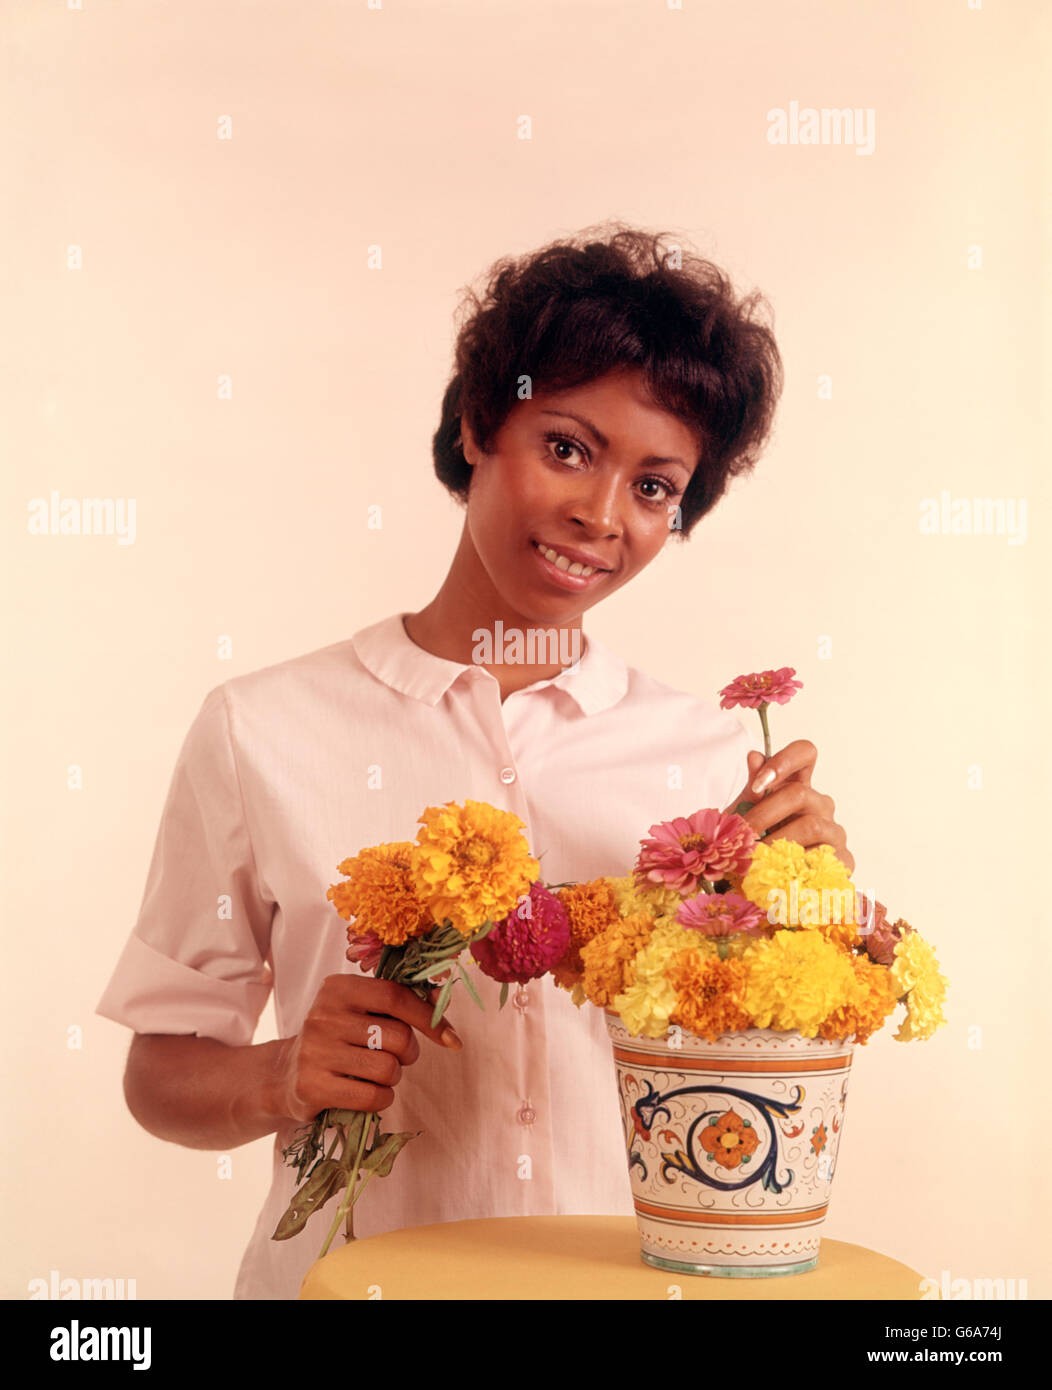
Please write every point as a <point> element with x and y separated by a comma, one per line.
<point>576,556</point>
<point>563,579</point>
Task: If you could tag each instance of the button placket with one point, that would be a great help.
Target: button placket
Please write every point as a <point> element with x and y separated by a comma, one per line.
<point>526,1115</point>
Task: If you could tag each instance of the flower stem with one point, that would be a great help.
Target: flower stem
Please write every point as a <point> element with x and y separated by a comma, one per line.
<point>766,731</point>
<point>348,1199</point>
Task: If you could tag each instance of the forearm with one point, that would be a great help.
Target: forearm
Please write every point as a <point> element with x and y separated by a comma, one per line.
<point>203,1094</point>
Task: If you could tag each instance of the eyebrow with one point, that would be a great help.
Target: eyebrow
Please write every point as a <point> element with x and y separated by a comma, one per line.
<point>605,443</point>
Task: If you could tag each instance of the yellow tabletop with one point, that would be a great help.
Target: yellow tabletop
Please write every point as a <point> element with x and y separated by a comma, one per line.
<point>572,1257</point>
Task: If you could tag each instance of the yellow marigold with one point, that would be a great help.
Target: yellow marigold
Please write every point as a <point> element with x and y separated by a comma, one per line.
<point>645,1006</point>
<point>656,898</point>
<point>709,993</point>
<point>591,908</point>
<point>608,959</point>
<point>874,998</point>
<point>915,972</point>
<point>795,981</point>
<point>471,863</point>
<point>379,894</point>
<point>625,895</point>
<point>803,887</point>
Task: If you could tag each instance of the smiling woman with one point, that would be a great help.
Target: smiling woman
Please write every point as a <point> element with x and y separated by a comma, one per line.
<point>605,389</point>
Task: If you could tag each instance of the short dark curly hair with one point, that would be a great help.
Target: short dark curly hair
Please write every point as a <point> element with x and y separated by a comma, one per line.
<point>613,296</point>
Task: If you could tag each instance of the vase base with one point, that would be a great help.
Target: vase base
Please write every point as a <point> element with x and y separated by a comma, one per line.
<point>729,1271</point>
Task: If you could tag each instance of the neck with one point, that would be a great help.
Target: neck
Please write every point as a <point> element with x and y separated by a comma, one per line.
<point>461,624</point>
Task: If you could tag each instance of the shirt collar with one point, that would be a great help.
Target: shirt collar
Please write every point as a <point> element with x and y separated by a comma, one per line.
<point>596,682</point>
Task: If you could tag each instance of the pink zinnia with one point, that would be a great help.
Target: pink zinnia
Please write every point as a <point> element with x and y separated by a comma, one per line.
<point>521,948</point>
<point>761,688</point>
<point>709,844</point>
<point>879,935</point>
<point>365,950</point>
<point>721,914</point>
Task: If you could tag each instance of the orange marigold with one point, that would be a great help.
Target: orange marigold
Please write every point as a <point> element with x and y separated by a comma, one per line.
<point>378,894</point>
<point>709,992</point>
<point>608,960</point>
<point>874,998</point>
<point>591,908</point>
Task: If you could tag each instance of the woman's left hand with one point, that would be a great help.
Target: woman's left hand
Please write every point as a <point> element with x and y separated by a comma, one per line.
<point>786,804</point>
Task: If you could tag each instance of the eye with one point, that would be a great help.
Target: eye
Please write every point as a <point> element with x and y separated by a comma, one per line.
<point>569,441</point>
<point>670,489</point>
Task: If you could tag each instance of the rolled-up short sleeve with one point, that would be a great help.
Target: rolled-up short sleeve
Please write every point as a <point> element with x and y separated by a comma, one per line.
<point>197,957</point>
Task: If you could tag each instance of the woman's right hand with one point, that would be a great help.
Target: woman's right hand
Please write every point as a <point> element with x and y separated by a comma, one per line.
<point>356,1039</point>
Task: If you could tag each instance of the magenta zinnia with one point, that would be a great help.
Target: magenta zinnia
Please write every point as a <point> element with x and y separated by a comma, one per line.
<point>720,914</point>
<point>761,688</point>
<point>528,942</point>
<point>709,844</point>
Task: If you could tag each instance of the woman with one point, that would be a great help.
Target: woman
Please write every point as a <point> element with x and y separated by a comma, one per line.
<point>605,390</point>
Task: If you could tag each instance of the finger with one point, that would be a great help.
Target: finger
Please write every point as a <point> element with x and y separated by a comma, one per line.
<point>785,804</point>
<point>337,1093</point>
<point>365,1064</point>
<point>796,761</point>
<point>791,800</point>
<point>339,1076</point>
<point>379,1032</point>
<point>325,1051</point>
<point>810,831</point>
<point>398,1001</point>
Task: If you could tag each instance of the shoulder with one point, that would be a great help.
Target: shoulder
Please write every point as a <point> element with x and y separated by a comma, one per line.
<point>311,672</point>
<point>682,708</point>
<point>279,700</point>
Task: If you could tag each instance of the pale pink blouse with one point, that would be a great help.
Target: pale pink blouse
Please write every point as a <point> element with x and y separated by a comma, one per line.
<point>286,771</point>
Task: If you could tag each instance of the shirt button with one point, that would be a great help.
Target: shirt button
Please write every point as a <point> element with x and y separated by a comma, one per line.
<point>526,1114</point>
<point>521,999</point>
<point>507,774</point>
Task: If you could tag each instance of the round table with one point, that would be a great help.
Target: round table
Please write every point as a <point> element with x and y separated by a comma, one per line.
<point>572,1257</point>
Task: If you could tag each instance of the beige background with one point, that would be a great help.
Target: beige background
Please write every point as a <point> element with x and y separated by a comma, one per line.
<point>397,127</point>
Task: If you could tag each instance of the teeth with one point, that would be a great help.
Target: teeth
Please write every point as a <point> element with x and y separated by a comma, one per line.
<point>561,562</point>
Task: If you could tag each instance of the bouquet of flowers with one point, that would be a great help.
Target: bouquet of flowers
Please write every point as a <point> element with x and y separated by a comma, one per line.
<point>468,883</point>
<point>714,931</point>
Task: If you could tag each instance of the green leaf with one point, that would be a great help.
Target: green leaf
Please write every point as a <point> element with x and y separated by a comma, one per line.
<point>742,807</point>
<point>381,1159</point>
<point>307,1146</point>
<point>352,1122</point>
<point>442,1001</point>
<point>469,986</point>
<point>328,1178</point>
<point>435,968</point>
<point>503,994</point>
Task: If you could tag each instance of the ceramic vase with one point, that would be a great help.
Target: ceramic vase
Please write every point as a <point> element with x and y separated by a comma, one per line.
<point>731,1146</point>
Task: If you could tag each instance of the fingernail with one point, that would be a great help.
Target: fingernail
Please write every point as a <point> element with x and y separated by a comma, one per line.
<point>764,780</point>
<point>450,1039</point>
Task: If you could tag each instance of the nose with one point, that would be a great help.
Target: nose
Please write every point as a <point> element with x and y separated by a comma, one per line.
<point>597,507</point>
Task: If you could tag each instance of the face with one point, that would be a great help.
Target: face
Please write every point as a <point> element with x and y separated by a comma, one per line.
<point>591,474</point>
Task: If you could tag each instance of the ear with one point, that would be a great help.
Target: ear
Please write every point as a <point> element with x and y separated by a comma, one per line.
<point>467,442</point>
